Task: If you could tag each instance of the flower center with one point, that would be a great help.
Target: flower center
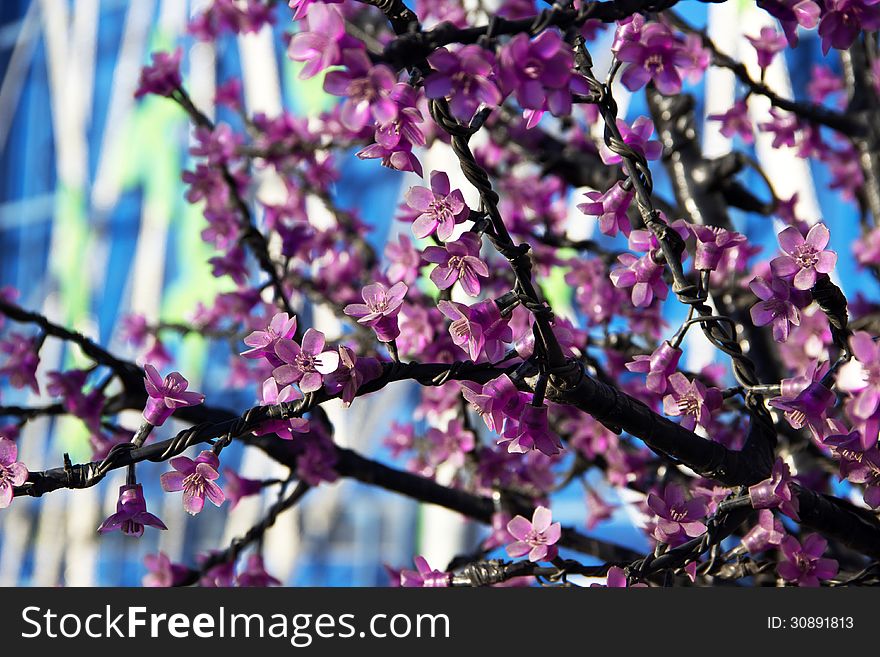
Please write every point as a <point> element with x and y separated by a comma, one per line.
<point>533,69</point>
<point>534,538</point>
<point>195,484</point>
<point>5,476</point>
<point>440,210</point>
<point>678,514</point>
<point>362,89</point>
<point>379,305</point>
<point>804,564</point>
<point>306,362</point>
<point>806,256</point>
<point>460,328</point>
<point>797,418</point>
<point>459,263</point>
<point>464,81</point>
<point>131,527</point>
<point>654,63</point>
<point>689,405</point>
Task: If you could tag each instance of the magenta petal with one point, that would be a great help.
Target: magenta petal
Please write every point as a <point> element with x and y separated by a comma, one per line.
<point>214,493</point>
<point>863,346</point>
<point>171,481</point>
<point>419,198</point>
<point>553,533</point>
<point>818,237</point>
<point>519,527</point>
<point>313,342</point>
<point>183,464</point>
<point>19,473</point>
<point>207,472</point>
<point>518,549</point>
<point>192,504</point>
<point>424,225</point>
<point>311,382</point>
<point>150,520</point>
<point>287,350</point>
<point>790,239</point>
<point>541,519</point>
<point>826,263</point>
<point>538,553</point>
<point>8,452</point>
<point>111,523</point>
<point>443,277</point>
<point>784,266</point>
<point>805,279</point>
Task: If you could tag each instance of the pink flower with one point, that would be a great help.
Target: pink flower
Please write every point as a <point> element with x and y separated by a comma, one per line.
<point>712,242</point>
<point>282,428</point>
<point>162,77</point>
<point>678,519</point>
<point>637,137</point>
<point>162,573</point>
<point>644,275</point>
<point>131,513</point>
<point>255,575</point>
<point>196,480</point>
<point>769,532</point>
<point>775,492</point>
<point>611,208</point>
<point>306,365</point>
<point>478,328</point>
<point>465,77</point>
<point>12,472</point>
<point>22,360</point>
<point>537,538</point>
<point>804,258</point>
<point>424,575</point>
<point>262,343</point>
<point>320,46</point>
<point>775,306</point>
<point>380,309</point>
<point>659,365</point>
<point>767,45</point>
<point>458,261</point>
<point>238,487</point>
<point>366,90</point>
<point>352,373</point>
<point>803,564</point>
<point>691,400</point>
<point>440,208</point>
<point>166,396</point>
<point>735,121</point>
<point>655,57</point>
<point>531,431</point>
<point>494,401</point>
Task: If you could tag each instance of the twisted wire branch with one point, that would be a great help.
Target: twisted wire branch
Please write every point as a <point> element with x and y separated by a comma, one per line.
<point>762,437</point>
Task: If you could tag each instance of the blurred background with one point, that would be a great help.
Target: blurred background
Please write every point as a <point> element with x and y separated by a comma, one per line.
<point>94,226</point>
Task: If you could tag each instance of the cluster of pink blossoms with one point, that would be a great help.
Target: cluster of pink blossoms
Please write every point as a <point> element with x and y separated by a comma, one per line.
<point>414,300</point>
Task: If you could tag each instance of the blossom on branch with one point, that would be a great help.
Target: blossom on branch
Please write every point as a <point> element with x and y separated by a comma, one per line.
<point>537,538</point>
<point>196,480</point>
<point>166,395</point>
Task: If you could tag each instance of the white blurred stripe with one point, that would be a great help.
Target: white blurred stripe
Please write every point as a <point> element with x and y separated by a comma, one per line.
<point>720,83</point>
<point>788,172</point>
<point>108,179</point>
